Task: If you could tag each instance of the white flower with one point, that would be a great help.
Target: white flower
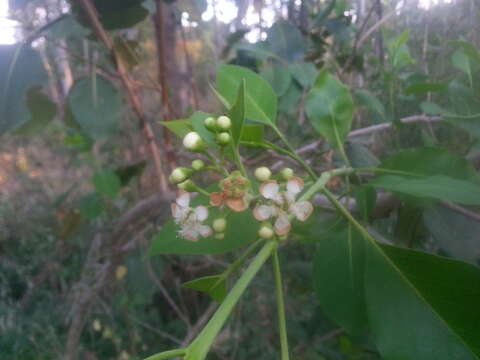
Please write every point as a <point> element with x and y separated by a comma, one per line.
<point>282,204</point>
<point>190,219</point>
<point>192,141</point>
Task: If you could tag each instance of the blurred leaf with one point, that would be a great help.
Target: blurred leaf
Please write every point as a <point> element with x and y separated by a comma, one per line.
<point>232,39</point>
<point>278,77</point>
<point>42,112</point>
<point>304,73</point>
<point>422,306</point>
<point>430,108</point>
<point>128,172</point>
<point>466,107</point>
<point>329,107</point>
<point>408,226</point>
<point>323,15</point>
<point>260,101</point>
<point>20,69</point>
<point>455,233</point>
<point>438,187</point>
<point>360,156</point>
<point>338,276</point>
<point>371,102</point>
<point>67,27</point>
<point>252,133</point>
<point>424,88</point>
<point>462,62</point>
<point>366,198</point>
<point>91,206</point>
<point>237,115</point>
<point>107,183</point>
<point>470,50</point>
<point>96,106</point>
<point>213,285</point>
<point>286,41</point>
<point>179,127</point>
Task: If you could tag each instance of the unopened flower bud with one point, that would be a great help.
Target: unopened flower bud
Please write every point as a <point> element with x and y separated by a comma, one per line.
<point>210,123</point>
<point>179,175</point>
<point>224,122</point>
<point>263,173</point>
<point>287,173</point>
<point>266,232</point>
<point>198,164</point>
<point>219,225</point>
<point>188,186</point>
<point>219,236</point>
<point>193,142</point>
<point>223,138</point>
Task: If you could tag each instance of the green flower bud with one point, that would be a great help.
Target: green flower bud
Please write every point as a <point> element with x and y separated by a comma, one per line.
<point>219,225</point>
<point>198,164</point>
<point>287,173</point>
<point>210,124</point>
<point>193,142</point>
<point>187,185</point>
<point>266,231</point>
<point>224,122</point>
<point>223,138</point>
<point>179,175</point>
<point>263,173</point>
<point>219,236</point>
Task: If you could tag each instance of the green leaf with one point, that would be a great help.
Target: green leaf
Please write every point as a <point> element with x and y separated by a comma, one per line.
<point>431,161</point>
<point>237,115</point>
<point>197,120</point>
<point>431,108</point>
<point>252,133</point>
<point>466,108</point>
<point>424,88</point>
<point>91,206</point>
<point>42,112</point>
<point>371,102</point>
<point>422,306</point>
<point>107,183</point>
<point>462,62</point>
<point>338,276</point>
<point>304,73</point>
<point>455,233</point>
<point>286,41</point>
<point>127,173</point>
<point>438,187</point>
<point>180,127</point>
<point>96,106</point>
<point>470,50</point>
<point>167,240</point>
<point>215,286</point>
<point>278,77</point>
<point>361,156</point>
<point>67,27</point>
<point>260,100</point>
<point>366,198</point>
<point>20,69</point>
<point>329,107</point>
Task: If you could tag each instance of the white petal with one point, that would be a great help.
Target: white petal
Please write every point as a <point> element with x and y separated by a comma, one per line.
<point>204,230</point>
<point>282,225</point>
<point>302,210</point>
<point>294,185</point>
<point>264,212</point>
<point>201,213</point>
<point>183,199</point>
<point>189,233</point>
<point>269,189</point>
<point>179,213</point>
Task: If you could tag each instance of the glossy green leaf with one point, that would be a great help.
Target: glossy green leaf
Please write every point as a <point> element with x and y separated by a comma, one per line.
<point>278,77</point>
<point>167,241</point>
<point>455,233</point>
<point>338,276</point>
<point>215,286</point>
<point>20,69</point>
<point>286,41</point>
<point>252,133</point>
<point>304,73</point>
<point>422,306</point>
<point>96,106</point>
<point>424,88</point>
<point>437,187</point>
<point>180,127</point>
<point>42,112</point>
<point>107,183</point>
<point>237,115</point>
<point>371,102</point>
<point>329,107</point>
<point>260,101</point>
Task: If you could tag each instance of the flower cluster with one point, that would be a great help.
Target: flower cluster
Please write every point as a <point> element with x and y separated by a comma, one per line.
<point>190,219</point>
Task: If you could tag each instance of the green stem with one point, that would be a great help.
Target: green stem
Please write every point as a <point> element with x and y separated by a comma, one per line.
<point>293,155</point>
<point>322,181</point>
<point>199,348</point>
<point>282,324</point>
<point>387,171</point>
<point>168,354</point>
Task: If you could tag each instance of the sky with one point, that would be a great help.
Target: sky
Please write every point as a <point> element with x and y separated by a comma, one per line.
<point>226,12</point>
